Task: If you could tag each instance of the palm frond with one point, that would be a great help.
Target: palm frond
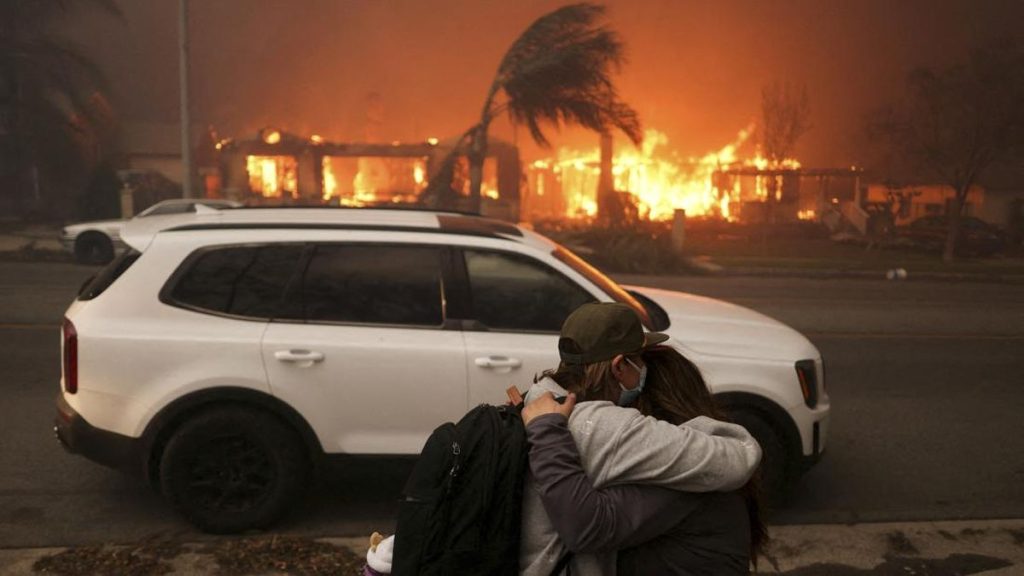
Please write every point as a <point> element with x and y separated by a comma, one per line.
<point>559,72</point>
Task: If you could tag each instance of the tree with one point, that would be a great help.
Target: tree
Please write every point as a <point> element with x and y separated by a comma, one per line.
<point>954,124</point>
<point>785,117</point>
<point>557,72</point>
<point>53,114</point>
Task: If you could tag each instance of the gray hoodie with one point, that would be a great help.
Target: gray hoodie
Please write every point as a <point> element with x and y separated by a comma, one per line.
<point>621,446</point>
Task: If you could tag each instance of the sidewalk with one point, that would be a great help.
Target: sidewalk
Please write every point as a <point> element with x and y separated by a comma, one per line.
<point>32,243</point>
<point>984,547</point>
<point>1010,271</point>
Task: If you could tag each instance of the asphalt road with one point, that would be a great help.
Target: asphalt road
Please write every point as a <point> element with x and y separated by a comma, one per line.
<point>926,380</point>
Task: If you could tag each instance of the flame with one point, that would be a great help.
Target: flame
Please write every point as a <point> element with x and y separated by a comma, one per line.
<point>660,181</point>
<point>272,176</point>
<point>363,181</point>
<point>271,136</point>
<point>330,180</point>
<point>373,175</point>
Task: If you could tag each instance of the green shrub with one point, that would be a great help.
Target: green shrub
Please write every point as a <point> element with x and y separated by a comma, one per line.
<point>644,248</point>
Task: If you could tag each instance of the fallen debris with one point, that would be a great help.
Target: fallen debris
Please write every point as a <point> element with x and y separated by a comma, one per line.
<point>105,560</point>
<point>293,555</point>
<point>283,554</point>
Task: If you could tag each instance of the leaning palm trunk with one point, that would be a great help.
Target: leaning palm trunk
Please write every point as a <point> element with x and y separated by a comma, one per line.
<point>477,154</point>
<point>477,157</point>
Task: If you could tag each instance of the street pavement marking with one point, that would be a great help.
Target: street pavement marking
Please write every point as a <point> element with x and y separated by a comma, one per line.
<point>29,326</point>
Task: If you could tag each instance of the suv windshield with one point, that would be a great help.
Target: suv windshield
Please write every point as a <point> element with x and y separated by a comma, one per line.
<point>603,282</point>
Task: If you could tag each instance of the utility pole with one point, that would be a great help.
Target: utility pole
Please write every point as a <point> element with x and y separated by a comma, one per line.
<point>186,119</point>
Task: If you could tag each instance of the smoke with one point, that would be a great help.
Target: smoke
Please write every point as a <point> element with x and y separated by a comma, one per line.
<point>695,69</point>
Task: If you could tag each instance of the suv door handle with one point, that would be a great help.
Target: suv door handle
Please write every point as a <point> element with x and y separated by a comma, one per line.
<point>304,358</point>
<point>499,363</point>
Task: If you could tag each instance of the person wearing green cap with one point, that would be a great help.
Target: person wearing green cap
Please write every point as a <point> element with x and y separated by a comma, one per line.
<point>600,347</point>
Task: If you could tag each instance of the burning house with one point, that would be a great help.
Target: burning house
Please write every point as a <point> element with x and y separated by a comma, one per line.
<point>722,184</point>
<point>278,168</point>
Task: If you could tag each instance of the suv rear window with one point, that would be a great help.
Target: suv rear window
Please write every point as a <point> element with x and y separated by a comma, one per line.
<point>239,280</point>
<point>100,282</point>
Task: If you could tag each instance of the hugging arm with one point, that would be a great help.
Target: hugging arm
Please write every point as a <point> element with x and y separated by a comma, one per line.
<point>701,455</point>
<point>589,520</point>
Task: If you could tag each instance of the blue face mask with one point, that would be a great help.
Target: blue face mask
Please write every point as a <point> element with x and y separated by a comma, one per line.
<point>628,397</point>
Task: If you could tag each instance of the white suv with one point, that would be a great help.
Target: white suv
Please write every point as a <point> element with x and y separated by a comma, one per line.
<point>227,352</point>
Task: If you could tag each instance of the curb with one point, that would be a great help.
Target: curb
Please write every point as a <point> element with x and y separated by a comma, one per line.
<point>983,547</point>
<point>838,273</point>
<point>705,266</point>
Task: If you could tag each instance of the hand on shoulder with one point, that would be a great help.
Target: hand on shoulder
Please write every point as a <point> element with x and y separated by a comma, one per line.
<point>546,404</point>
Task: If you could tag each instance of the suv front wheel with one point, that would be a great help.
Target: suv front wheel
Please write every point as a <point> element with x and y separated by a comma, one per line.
<point>231,469</point>
<point>776,477</point>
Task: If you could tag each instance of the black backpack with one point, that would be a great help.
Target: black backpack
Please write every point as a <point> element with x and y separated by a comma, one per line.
<point>463,501</point>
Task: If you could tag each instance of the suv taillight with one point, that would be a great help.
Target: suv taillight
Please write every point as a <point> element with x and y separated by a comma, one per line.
<point>70,357</point>
<point>808,377</point>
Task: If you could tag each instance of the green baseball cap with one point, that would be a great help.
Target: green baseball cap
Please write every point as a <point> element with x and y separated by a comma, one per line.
<point>601,331</point>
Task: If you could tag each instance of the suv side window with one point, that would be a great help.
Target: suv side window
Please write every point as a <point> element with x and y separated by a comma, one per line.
<point>374,284</point>
<point>515,292</point>
<point>238,280</point>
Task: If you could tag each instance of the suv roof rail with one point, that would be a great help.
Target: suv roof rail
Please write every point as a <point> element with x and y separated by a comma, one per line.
<point>390,207</point>
<point>138,234</point>
<point>466,229</point>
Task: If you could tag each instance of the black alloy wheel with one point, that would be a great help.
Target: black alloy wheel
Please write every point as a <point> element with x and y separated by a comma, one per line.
<point>233,469</point>
<point>230,474</point>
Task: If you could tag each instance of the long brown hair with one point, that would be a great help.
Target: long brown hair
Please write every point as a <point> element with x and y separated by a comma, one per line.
<point>675,392</point>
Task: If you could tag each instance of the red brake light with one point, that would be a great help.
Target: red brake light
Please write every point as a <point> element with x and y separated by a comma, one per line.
<point>70,357</point>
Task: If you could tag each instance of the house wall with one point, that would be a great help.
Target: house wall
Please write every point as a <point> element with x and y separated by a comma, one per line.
<point>931,200</point>
<point>999,207</point>
<point>155,146</point>
<point>169,166</point>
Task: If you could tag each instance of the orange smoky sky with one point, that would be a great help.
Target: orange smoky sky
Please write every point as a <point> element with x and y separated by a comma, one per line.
<point>695,68</point>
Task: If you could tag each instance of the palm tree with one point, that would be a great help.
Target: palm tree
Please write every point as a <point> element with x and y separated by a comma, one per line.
<point>557,72</point>
<point>52,109</point>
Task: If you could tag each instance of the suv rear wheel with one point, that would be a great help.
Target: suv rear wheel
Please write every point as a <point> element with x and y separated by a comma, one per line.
<point>231,469</point>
